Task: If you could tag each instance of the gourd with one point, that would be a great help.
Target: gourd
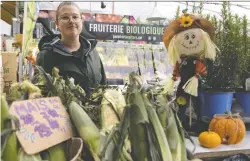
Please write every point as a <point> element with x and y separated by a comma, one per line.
<point>230,128</point>
<point>209,139</point>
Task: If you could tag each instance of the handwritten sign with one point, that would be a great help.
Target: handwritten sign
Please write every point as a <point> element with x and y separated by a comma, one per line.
<point>43,123</point>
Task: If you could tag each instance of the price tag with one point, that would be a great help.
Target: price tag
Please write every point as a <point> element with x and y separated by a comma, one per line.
<point>43,123</point>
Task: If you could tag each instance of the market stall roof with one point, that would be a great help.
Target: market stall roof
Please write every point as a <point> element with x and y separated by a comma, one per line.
<point>143,10</point>
<point>140,10</point>
<point>8,11</point>
<point>48,6</point>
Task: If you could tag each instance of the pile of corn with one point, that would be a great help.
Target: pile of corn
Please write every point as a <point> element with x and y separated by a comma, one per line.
<point>149,125</point>
<point>131,126</point>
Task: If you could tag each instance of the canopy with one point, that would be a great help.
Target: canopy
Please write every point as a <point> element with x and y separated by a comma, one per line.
<point>8,11</point>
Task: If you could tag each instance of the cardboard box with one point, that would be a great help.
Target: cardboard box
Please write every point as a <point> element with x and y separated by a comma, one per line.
<point>10,64</point>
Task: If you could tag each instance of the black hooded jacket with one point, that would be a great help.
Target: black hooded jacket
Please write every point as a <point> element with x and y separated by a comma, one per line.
<point>86,68</point>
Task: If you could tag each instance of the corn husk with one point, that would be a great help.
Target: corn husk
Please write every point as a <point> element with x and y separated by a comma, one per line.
<point>57,153</point>
<point>172,126</point>
<point>86,129</point>
<point>117,146</point>
<point>10,150</point>
<point>109,117</point>
<point>4,112</point>
<point>23,156</point>
<point>116,98</point>
<point>161,138</point>
<point>137,129</point>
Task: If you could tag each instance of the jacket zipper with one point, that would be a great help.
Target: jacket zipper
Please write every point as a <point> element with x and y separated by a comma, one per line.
<point>63,53</point>
<point>93,74</point>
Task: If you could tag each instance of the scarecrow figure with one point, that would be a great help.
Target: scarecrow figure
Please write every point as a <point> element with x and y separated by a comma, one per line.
<point>189,41</point>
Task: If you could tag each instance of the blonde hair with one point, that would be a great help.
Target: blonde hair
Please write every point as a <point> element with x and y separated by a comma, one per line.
<point>173,55</point>
<point>209,49</point>
<point>66,3</point>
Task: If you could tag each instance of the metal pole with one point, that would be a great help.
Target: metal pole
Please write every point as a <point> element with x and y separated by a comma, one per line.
<point>113,7</point>
<point>17,9</point>
<point>20,58</point>
<point>90,7</point>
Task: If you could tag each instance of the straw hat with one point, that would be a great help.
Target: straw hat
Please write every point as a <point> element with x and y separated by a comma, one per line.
<point>185,22</point>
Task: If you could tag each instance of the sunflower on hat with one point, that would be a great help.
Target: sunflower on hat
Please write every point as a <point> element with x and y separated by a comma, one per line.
<point>186,21</point>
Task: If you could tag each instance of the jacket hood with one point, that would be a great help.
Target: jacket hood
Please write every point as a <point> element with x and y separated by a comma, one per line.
<point>53,39</point>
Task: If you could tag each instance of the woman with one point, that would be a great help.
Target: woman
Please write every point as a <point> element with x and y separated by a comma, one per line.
<point>72,54</point>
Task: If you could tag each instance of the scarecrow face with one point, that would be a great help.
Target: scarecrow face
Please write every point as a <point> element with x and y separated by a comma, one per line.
<point>190,42</point>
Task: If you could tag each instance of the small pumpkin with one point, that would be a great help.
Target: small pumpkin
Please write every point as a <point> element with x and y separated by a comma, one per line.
<point>230,127</point>
<point>209,139</point>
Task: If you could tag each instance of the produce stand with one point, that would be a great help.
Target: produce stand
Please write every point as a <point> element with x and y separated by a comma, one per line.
<point>148,61</point>
<point>119,59</point>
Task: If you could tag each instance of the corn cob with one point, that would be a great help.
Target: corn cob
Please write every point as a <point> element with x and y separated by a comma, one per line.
<point>137,129</point>
<point>10,150</point>
<point>127,149</point>
<point>174,134</point>
<point>162,115</point>
<point>182,137</point>
<point>112,107</point>
<point>29,87</point>
<point>86,129</point>
<point>109,117</point>
<point>4,112</point>
<point>109,152</point>
<point>137,100</point>
<point>15,92</point>
<point>122,158</point>
<point>162,140</point>
<point>57,153</point>
<point>22,156</point>
<point>116,146</point>
<point>124,153</point>
<point>154,149</point>
<point>162,111</point>
<point>116,98</point>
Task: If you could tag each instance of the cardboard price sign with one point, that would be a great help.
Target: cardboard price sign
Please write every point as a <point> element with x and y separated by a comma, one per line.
<point>43,123</point>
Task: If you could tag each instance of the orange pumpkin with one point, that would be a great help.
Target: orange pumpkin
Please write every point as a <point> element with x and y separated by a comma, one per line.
<point>230,127</point>
<point>209,139</point>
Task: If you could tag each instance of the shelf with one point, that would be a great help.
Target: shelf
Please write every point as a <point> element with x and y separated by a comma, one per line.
<point>221,151</point>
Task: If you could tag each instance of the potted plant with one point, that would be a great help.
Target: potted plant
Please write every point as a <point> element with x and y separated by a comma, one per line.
<point>243,96</point>
<point>225,74</point>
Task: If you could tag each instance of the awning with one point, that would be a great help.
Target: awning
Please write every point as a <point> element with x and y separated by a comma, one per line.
<point>8,11</point>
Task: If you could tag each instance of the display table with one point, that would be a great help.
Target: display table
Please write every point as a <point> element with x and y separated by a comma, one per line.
<point>221,151</point>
